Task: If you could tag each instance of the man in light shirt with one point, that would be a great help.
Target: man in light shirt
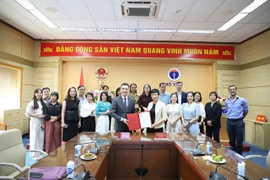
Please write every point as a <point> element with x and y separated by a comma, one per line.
<point>163,95</point>
<point>81,97</point>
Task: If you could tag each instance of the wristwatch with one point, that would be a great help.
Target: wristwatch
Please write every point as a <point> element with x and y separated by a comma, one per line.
<point>188,122</point>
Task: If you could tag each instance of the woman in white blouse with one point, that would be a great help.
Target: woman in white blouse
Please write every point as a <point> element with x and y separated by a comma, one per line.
<point>35,110</point>
<point>173,115</point>
<point>157,111</point>
<point>87,113</point>
<point>198,100</point>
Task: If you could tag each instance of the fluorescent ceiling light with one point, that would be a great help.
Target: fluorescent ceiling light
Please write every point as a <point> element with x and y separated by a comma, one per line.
<point>231,22</point>
<point>117,30</point>
<point>79,29</point>
<point>195,31</point>
<point>26,4</point>
<point>31,8</point>
<point>157,30</point>
<point>254,5</point>
<point>250,8</point>
<point>42,18</point>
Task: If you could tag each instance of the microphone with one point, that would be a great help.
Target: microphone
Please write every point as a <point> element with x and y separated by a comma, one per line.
<point>81,176</point>
<point>217,176</point>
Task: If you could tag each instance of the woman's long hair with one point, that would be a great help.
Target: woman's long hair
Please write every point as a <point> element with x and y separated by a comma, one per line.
<point>149,95</point>
<point>36,106</point>
<point>68,97</point>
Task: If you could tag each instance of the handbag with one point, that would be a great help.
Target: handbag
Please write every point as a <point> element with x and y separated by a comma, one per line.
<point>71,116</point>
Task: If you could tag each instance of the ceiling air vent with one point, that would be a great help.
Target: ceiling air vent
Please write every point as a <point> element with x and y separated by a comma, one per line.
<point>140,9</point>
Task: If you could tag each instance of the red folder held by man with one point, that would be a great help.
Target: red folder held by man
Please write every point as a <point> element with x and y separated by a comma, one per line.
<point>139,120</point>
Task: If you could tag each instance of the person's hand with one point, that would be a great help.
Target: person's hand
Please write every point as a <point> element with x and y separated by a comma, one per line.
<point>136,106</point>
<point>108,112</point>
<point>200,123</point>
<point>79,124</point>
<point>185,124</point>
<point>153,125</point>
<point>63,124</point>
<point>209,123</point>
<point>171,123</point>
<point>43,126</point>
<point>125,121</point>
<point>145,109</point>
<point>52,120</point>
<point>40,116</point>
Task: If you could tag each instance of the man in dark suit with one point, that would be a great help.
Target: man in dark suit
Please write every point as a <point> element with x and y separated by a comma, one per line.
<point>182,96</point>
<point>121,106</point>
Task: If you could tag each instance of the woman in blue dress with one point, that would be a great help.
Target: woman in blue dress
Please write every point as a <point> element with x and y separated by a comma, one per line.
<point>102,113</point>
<point>190,112</point>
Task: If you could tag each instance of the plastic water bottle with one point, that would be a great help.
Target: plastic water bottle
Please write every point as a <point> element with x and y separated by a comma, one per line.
<point>241,169</point>
<point>208,148</point>
<point>78,150</point>
<point>70,169</point>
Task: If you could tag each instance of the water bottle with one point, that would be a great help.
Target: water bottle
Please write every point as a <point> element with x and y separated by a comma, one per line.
<point>209,148</point>
<point>241,170</point>
<point>70,169</point>
<point>78,150</point>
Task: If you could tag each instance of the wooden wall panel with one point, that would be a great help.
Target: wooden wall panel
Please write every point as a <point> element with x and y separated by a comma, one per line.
<point>160,159</point>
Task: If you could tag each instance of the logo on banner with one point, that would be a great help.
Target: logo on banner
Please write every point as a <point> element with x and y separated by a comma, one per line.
<point>174,74</point>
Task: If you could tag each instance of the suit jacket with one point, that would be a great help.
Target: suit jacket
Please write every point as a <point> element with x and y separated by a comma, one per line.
<point>119,111</point>
<point>160,113</point>
<point>184,97</point>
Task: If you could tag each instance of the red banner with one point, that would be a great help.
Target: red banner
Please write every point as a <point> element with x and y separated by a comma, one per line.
<point>138,50</point>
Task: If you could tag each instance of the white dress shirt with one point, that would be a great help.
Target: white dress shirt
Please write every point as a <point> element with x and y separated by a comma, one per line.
<point>87,109</point>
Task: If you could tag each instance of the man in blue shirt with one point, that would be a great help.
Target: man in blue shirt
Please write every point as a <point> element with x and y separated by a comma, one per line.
<point>163,95</point>
<point>237,109</point>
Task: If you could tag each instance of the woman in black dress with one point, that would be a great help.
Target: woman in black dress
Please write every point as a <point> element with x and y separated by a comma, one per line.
<point>213,110</point>
<point>71,120</point>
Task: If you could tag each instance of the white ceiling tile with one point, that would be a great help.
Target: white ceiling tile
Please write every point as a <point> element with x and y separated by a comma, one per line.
<point>158,24</point>
<point>228,9</point>
<point>8,13</point>
<point>202,9</point>
<point>101,9</point>
<point>43,5</point>
<point>128,37</point>
<point>59,36</point>
<point>93,35</point>
<point>164,37</point>
<point>76,35</point>
<point>257,31</point>
<point>213,38</point>
<point>111,36</point>
<point>179,38</point>
<point>76,9</point>
<point>257,12</point>
<point>230,39</point>
<point>117,23</point>
<point>228,31</point>
<point>246,29</point>
<point>197,38</point>
<point>75,23</point>
<point>26,26</point>
<point>183,6</point>
<point>11,8</point>
<point>43,36</point>
<point>200,25</point>
<point>143,37</point>
<point>263,18</point>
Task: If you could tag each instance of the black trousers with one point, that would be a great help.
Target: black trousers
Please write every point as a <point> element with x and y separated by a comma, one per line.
<point>88,124</point>
<point>235,129</point>
<point>213,131</point>
<point>149,130</point>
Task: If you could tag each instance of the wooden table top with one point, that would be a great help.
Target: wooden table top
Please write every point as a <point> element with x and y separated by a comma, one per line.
<point>182,142</point>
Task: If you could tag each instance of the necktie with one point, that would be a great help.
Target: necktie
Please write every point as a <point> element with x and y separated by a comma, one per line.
<point>125,102</point>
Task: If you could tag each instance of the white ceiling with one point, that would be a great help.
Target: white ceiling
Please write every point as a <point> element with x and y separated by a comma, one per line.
<point>194,14</point>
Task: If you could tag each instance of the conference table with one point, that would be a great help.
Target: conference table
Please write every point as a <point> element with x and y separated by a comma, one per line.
<point>168,159</point>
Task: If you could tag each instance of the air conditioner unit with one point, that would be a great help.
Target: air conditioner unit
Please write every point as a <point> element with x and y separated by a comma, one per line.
<point>140,9</point>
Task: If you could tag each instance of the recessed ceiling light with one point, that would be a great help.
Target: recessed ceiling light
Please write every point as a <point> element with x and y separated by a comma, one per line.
<point>251,7</point>
<point>157,30</point>
<point>117,30</point>
<point>79,29</point>
<point>26,4</point>
<point>195,31</point>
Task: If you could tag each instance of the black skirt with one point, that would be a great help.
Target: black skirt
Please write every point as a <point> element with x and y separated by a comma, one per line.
<point>71,131</point>
<point>88,124</point>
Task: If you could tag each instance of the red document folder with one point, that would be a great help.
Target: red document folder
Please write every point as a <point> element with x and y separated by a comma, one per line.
<point>135,122</point>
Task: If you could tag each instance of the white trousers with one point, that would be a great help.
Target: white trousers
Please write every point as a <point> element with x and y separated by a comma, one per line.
<point>102,124</point>
<point>36,134</point>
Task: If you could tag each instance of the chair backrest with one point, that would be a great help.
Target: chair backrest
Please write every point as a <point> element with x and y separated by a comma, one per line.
<point>11,150</point>
<point>268,161</point>
<point>3,127</point>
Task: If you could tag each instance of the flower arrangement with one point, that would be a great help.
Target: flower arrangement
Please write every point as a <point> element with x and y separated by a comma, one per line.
<point>96,94</point>
<point>222,100</point>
